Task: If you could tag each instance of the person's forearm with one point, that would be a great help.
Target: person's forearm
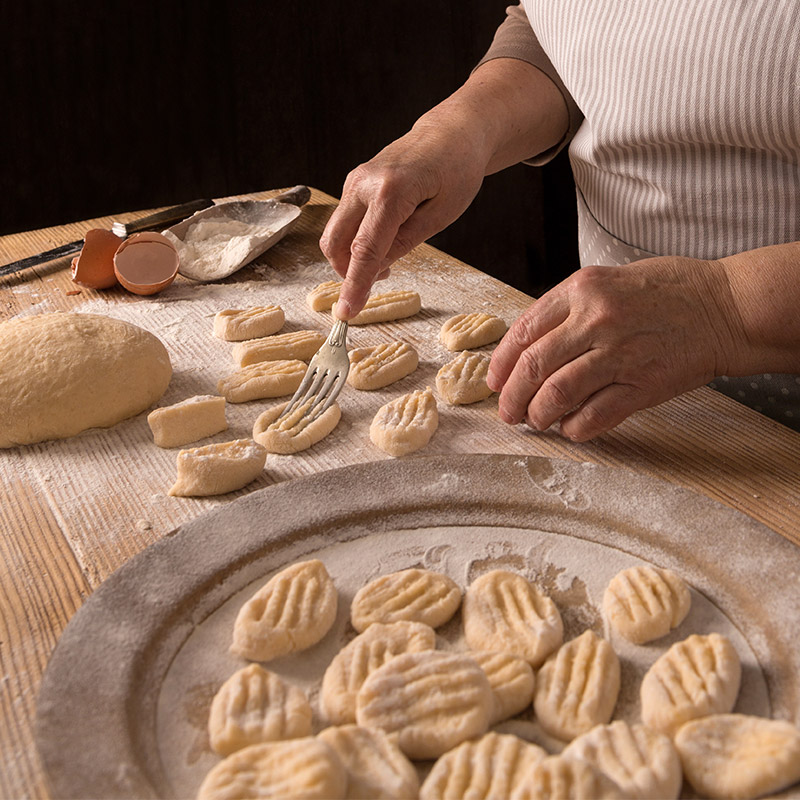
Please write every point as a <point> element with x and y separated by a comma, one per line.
<point>765,308</point>
<point>510,109</point>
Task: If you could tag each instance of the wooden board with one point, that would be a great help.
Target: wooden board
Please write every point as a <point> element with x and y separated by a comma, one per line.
<point>153,642</point>
<point>73,512</point>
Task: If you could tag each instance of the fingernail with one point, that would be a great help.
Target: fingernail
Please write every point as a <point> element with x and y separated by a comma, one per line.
<point>343,309</point>
<point>506,417</point>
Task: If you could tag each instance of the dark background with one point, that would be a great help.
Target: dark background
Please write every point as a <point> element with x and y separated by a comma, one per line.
<point>112,108</point>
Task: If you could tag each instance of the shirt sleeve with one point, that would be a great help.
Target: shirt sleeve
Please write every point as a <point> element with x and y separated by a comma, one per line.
<point>516,39</point>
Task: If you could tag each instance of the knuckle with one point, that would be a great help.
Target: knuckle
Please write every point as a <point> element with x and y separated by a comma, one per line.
<point>530,364</point>
<point>594,419</point>
<point>556,396</point>
<point>364,249</point>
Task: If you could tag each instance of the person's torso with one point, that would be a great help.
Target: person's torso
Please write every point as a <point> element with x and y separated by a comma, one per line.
<point>691,139</point>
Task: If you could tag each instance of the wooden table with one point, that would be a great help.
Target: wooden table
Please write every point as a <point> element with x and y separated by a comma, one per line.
<point>60,539</point>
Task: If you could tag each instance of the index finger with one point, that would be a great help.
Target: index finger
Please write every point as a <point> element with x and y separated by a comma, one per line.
<point>544,315</point>
<point>368,252</point>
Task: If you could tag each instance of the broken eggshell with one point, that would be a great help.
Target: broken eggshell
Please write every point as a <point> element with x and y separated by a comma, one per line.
<point>93,267</point>
<point>146,263</point>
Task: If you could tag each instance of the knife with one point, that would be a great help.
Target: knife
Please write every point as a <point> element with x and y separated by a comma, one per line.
<point>123,229</point>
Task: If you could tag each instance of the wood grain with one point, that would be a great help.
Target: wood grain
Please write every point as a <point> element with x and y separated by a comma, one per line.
<point>72,512</point>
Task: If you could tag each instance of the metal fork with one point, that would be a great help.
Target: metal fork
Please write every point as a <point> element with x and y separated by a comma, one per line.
<point>325,376</point>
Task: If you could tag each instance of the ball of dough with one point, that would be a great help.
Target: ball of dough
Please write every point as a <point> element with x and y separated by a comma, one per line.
<point>61,374</point>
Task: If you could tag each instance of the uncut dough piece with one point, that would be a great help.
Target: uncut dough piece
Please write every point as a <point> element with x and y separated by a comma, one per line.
<point>467,331</point>
<point>512,682</point>
<point>376,768</point>
<point>417,595</point>
<point>263,380</point>
<point>463,380</point>
<point>558,778</point>
<point>643,763</point>
<point>281,346</point>
<point>375,367</point>
<point>489,768</point>
<point>694,678</point>
<point>305,768</point>
<point>577,687</point>
<point>218,468</point>
<point>432,701</point>
<point>255,706</point>
<point>238,324</point>
<point>369,650</point>
<point>61,374</point>
<point>738,756</point>
<point>296,431</point>
<point>187,421</point>
<point>323,296</point>
<point>406,423</point>
<point>388,306</point>
<point>644,603</point>
<point>504,612</point>
<point>292,611</point>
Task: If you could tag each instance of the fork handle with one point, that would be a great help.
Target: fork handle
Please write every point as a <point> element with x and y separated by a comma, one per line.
<point>338,334</point>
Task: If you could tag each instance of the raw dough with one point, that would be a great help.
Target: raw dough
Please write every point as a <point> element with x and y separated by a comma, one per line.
<point>296,431</point>
<point>511,679</point>
<point>388,306</point>
<point>644,603</point>
<point>577,687</point>
<point>237,324</point>
<point>61,374</point>
<point>432,701</point>
<point>558,778</point>
<point>218,468</point>
<point>643,763</point>
<point>323,296</point>
<point>375,367</point>
<point>305,768</point>
<point>406,423</point>
<point>489,768</point>
<point>417,595</point>
<point>738,756</point>
<point>504,612</point>
<point>192,419</point>
<point>262,380</point>
<point>291,612</point>
<point>466,331</point>
<point>463,380</point>
<point>296,344</point>
<point>255,706</point>
<point>694,678</point>
<point>356,660</point>
<point>376,767</point>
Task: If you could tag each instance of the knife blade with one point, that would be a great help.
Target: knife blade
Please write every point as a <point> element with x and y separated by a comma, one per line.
<point>159,219</point>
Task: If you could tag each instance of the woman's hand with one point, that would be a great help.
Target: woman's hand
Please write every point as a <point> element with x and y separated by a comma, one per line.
<point>609,341</point>
<point>507,111</point>
<point>411,190</point>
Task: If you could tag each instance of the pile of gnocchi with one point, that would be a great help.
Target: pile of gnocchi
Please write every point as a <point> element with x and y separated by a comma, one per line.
<point>272,364</point>
<point>391,702</point>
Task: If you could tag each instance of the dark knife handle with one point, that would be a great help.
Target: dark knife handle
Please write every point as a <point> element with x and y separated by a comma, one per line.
<point>41,258</point>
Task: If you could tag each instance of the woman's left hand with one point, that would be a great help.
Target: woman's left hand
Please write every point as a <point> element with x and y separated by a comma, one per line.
<point>609,341</point>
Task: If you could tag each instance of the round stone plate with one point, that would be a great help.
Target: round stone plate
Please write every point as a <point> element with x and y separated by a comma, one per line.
<point>123,707</point>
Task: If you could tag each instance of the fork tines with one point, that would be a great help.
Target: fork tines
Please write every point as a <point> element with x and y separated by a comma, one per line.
<point>325,377</point>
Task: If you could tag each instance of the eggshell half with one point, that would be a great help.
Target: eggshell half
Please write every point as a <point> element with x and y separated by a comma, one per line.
<point>146,263</point>
<point>93,267</point>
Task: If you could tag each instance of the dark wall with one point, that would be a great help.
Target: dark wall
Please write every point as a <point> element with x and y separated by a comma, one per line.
<point>112,109</point>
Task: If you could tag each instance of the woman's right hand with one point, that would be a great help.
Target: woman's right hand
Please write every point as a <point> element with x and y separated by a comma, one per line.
<point>409,191</point>
<point>507,111</point>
